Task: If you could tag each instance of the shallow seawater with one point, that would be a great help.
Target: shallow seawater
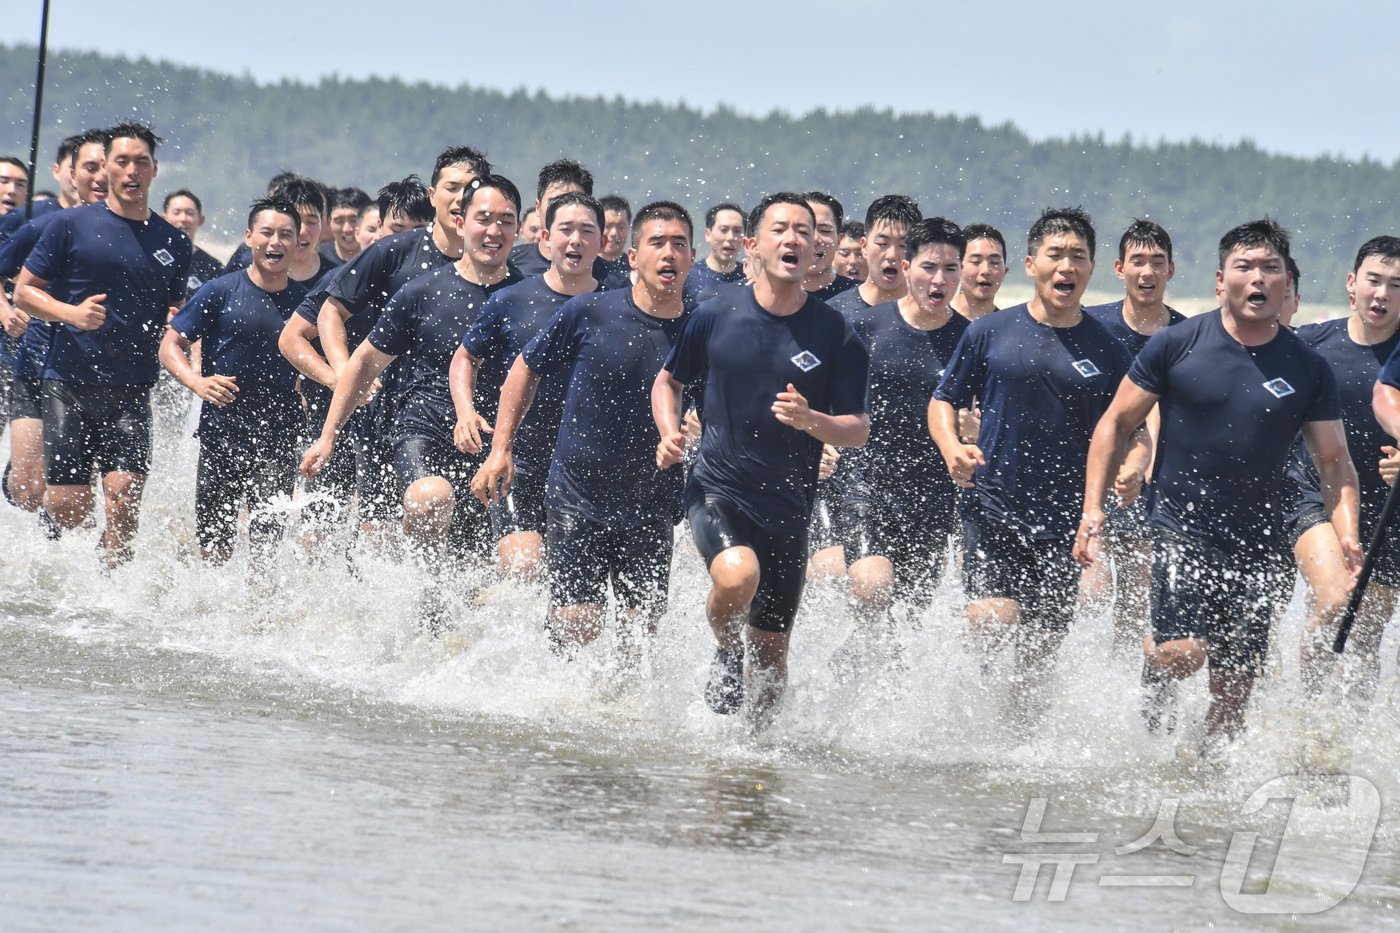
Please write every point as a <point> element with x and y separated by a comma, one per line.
<point>182,746</point>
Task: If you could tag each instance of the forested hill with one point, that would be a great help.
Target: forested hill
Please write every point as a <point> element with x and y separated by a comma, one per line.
<point>226,135</point>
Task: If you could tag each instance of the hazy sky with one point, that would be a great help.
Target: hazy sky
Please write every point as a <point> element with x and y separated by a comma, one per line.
<point>1294,77</point>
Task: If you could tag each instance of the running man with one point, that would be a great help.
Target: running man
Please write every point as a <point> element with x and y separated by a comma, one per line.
<point>724,234</point>
<point>561,177</point>
<point>822,280</point>
<point>887,221</point>
<point>984,269</point>
<point>185,212</point>
<point>850,259</point>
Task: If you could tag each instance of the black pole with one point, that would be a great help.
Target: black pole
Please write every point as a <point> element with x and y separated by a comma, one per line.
<point>1377,542</point>
<point>38,110</point>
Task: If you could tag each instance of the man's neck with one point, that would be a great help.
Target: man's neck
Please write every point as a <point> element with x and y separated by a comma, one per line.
<point>1361,332</point>
<point>657,304</point>
<point>717,266</point>
<point>447,241</point>
<point>345,256</point>
<point>569,284</point>
<point>971,309</point>
<point>1247,332</point>
<point>478,274</point>
<point>872,294</point>
<point>304,267</point>
<point>1048,314</point>
<point>131,210</point>
<point>778,297</point>
<point>922,318</point>
<point>268,282</point>
<point>1145,319</point>
<point>819,280</point>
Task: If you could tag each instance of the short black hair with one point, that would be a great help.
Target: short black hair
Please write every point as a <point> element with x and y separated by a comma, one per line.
<point>931,231</point>
<point>303,192</point>
<point>569,199</point>
<point>459,155</point>
<point>893,209</point>
<point>348,198</point>
<point>67,148</point>
<point>1144,233</point>
<point>274,203</point>
<point>564,172</point>
<point>616,202</point>
<point>407,196</point>
<point>132,130</point>
<point>278,180</point>
<point>1055,221</point>
<point>17,162</point>
<point>1382,247</point>
<point>852,230</point>
<point>780,197</point>
<point>502,184</point>
<point>713,213</point>
<point>985,232</point>
<point>663,210</point>
<point>97,135</point>
<point>837,211</point>
<point>1255,233</point>
<point>183,193</point>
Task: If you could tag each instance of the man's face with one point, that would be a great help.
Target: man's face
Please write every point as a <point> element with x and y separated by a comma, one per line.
<point>130,170</point>
<point>884,254</point>
<point>1061,269</point>
<point>1374,289</point>
<point>272,238</point>
<point>14,186</point>
<point>90,173</point>
<point>310,236</point>
<point>1253,283</point>
<point>615,224</point>
<point>182,214</point>
<point>63,175</point>
<point>983,269</point>
<point>574,240</point>
<point>933,275</point>
<point>530,229</point>
<point>784,242</point>
<point>1145,271</point>
<point>487,226</point>
<point>368,230</point>
<point>446,195</point>
<point>826,236</point>
<point>343,223</point>
<point>550,193</point>
<point>396,222</point>
<point>662,256</point>
<point>726,236</point>
<point>850,259</point>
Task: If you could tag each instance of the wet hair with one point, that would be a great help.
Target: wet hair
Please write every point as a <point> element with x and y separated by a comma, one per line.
<point>278,180</point>
<point>892,209</point>
<point>459,155</point>
<point>780,197</point>
<point>985,232</point>
<point>821,197</point>
<point>933,231</point>
<point>132,130</point>
<point>67,149</point>
<point>1144,233</point>
<point>17,162</point>
<point>662,210</point>
<point>506,187</point>
<point>183,193</point>
<point>407,196</point>
<point>280,205</point>
<point>569,199</point>
<point>1382,247</point>
<point>1255,233</point>
<point>1058,221</point>
<point>563,172</point>
<point>852,230</point>
<point>616,203</point>
<point>348,198</point>
<point>303,192</point>
<point>1295,276</point>
<point>98,135</point>
<point>712,214</point>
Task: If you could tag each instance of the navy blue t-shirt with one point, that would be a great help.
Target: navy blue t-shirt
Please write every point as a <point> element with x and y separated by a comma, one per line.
<point>328,253</point>
<point>900,460</point>
<point>527,259</point>
<point>1111,316</point>
<point>607,352</point>
<point>1042,390</point>
<point>423,323</point>
<point>835,287</point>
<point>1355,367</point>
<point>849,301</point>
<point>203,268</point>
<point>242,258</point>
<point>1229,416</point>
<point>366,283</point>
<point>141,266</point>
<point>16,219</point>
<point>27,354</point>
<point>703,283</point>
<point>238,324</point>
<point>746,356</point>
<point>509,321</point>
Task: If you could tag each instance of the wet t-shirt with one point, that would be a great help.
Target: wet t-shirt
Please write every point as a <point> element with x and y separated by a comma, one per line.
<point>702,283</point>
<point>849,301</point>
<point>833,288</point>
<point>203,268</point>
<point>1111,317</point>
<point>365,284</point>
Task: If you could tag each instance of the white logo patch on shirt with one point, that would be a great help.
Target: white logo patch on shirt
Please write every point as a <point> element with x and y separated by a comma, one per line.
<point>1279,388</point>
<point>806,361</point>
<point>163,257</point>
<point>1086,368</point>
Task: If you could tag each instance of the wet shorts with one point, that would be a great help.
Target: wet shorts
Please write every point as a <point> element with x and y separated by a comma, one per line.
<point>107,426</point>
<point>912,535</point>
<point>1001,563</point>
<point>584,557</point>
<point>717,525</point>
<point>416,456</point>
<point>523,508</point>
<point>232,475</point>
<point>26,398</point>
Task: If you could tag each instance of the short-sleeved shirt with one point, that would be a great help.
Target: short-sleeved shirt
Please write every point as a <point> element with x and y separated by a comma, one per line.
<point>365,284</point>
<point>141,266</point>
<point>203,268</point>
<point>746,356</point>
<point>906,364</point>
<point>1042,390</point>
<point>833,288</point>
<point>1111,316</point>
<point>849,301</point>
<point>239,324</point>
<point>328,253</point>
<point>702,283</point>
<point>607,351</point>
<point>1229,416</point>
<point>527,259</point>
<point>16,219</point>
<point>508,322</point>
<point>27,354</point>
<point>424,323</point>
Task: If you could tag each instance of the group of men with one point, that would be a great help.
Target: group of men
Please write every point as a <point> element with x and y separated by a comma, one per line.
<point>814,398</point>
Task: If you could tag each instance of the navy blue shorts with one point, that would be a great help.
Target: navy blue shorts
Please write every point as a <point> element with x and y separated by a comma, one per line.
<point>912,533</point>
<point>102,426</point>
<point>717,525</point>
<point>999,562</point>
<point>522,509</point>
<point>584,557</point>
<point>26,398</point>
<point>416,456</point>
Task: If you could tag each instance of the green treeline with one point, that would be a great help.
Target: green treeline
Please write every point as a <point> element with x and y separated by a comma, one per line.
<point>226,135</point>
